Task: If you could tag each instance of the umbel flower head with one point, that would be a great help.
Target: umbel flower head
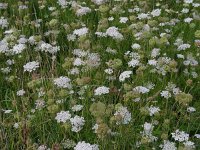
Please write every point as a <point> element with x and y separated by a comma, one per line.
<point>98,109</point>
<point>183,98</point>
<point>101,90</point>
<point>62,82</point>
<point>31,66</point>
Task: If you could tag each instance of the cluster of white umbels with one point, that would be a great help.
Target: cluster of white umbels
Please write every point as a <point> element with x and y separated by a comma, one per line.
<point>101,90</point>
<point>31,66</point>
<point>77,122</point>
<point>63,116</point>
<point>124,75</point>
<point>46,47</point>
<point>167,145</point>
<point>21,92</point>
<point>148,129</point>
<point>124,114</point>
<point>82,145</point>
<point>182,136</point>
<point>62,82</point>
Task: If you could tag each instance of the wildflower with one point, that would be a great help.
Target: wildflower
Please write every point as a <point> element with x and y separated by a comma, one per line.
<point>133,63</point>
<point>148,128</point>
<point>83,11</point>
<point>99,2</point>
<point>39,104</point>
<point>67,144</point>
<point>124,75</point>
<point>183,47</point>
<point>191,109</point>
<point>183,98</point>
<point>93,60</point>
<point>189,144</point>
<point>188,1</point>
<point>63,3</point>
<point>7,111</point>
<point>180,136</point>
<point>135,46</point>
<point>3,22</point>
<point>21,92</point>
<point>17,49</point>
<point>16,125</point>
<point>197,136</point>
<point>108,71</point>
<point>143,16</point>
<point>82,145</point>
<point>167,145</point>
<point>63,82</point>
<point>153,110</point>
<point>155,52</point>
<point>98,109</point>
<point>77,123</point>
<point>63,116</point>
<point>101,90</point>
<point>188,20</point>
<point>141,89</point>
<point>156,12</point>
<point>31,66</point>
<point>113,32</point>
<point>42,147</point>
<point>77,108</point>
<point>123,19</point>
<point>166,94</point>
<point>81,31</point>
<point>123,114</point>
<point>49,48</point>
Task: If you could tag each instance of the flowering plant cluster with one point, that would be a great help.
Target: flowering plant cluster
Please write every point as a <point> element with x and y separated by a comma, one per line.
<point>100,74</point>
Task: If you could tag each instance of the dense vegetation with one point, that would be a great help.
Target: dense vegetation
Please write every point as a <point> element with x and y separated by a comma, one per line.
<point>100,74</point>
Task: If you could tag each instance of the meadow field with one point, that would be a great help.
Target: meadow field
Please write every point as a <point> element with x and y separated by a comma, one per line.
<point>99,74</point>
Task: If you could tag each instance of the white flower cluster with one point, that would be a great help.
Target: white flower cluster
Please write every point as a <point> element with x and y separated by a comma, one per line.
<point>63,116</point>
<point>123,19</point>
<point>101,90</point>
<point>180,136</point>
<point>183,47</point>
<point>63,3</point>
<point>141,89</point>
<point>63,82</point>
<point>83,11</point>
<point>189,145</point>
<point>21,92</point>
<point>77,123</point>
<point>168,145</point>
<point>114,33</point>
<point>124,114</point>
<point>81,31</point>
<point>166,94</point>
<point>152,110</point>
<point>3,5</point>
<point>49,48</point>
<point>76,108</point>
<point>156,12</point>
<point>18,48</point>
<point>3,22</point>
<point>135,46</point>
<point>4,47</point>
<point>82,145</point>
<point>124,75</point>
<point>31,66</point>
<point>148,128</point>
<point>99,2</point>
